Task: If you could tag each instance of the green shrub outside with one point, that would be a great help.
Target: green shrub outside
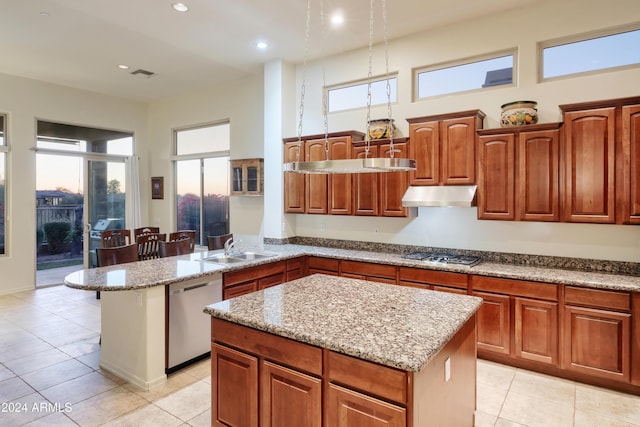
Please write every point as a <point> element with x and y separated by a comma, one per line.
<point>58,236</point>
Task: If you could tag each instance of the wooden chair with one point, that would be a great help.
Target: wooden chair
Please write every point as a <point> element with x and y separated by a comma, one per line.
<point>144,230</point>
<point>174,248</point>
<point>117,255</point>
<point>217,242</point>
<point>182,234</point>
<point>115,238</point>
<point>148,245</point>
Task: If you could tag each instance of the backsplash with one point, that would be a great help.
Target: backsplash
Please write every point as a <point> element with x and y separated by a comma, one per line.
<point>582,264</point>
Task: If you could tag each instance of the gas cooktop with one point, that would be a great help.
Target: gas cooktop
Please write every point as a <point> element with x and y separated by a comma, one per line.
<point>444,258</point>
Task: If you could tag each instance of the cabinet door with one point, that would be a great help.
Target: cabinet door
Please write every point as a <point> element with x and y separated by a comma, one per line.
<point>458,158</point>
<point>536,330</point>
<point>596,342</point>
<point>393,185</point>
<point>294,185</point>
<point>365,186</point>
<point>539,175</point>
<point>347,408</point>
<point>590,165</point>
<point>496,177</point>
<point>339,184</point>
<point>316,184</point>
<point>631,164</point>
<point>295,268</point>
<point>234,388</point>
<point>289,398</point>
<point>425,149</point>
<point>494,323</point>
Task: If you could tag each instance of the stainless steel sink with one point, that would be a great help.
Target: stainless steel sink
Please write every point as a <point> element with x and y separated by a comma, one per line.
<point>236,257</point>
<point>251,256</point>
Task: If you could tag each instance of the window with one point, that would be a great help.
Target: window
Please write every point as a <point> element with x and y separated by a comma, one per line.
<point>584,55</point>
<point>461,76</point>
<point>354,95</point>
<point>3,180</point>
<point>202,180</point>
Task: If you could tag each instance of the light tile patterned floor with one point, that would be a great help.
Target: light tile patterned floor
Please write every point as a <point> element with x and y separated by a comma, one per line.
<point>50,376</point>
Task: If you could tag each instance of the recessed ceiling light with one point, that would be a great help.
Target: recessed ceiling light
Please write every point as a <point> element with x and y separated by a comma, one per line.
<point>180,7</point>
<point>262,45</point>
<point>123,67</point>
<point>337,19</point>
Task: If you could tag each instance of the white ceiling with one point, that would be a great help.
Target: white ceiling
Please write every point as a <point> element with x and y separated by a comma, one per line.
<point>79,43</point>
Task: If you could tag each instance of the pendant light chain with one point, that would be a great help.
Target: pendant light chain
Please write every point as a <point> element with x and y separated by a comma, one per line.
<point>303,87</point>
<point>386,58</point>
<point>325,113</point>
<point>369,77</point>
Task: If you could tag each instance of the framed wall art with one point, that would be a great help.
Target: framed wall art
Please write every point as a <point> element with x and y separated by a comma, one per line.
<point>157,187</point>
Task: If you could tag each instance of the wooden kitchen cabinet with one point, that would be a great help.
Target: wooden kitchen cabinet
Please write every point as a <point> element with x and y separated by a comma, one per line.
<point>589,152</point>
<point>289,395</point>
<point>380,194</point>
<point>247,177</point>
<point>321,265</point>
<point>236,393</point>
<point>536,330</point>
<point>294,186</point>
<point>431,279</point>
<point>444,148</point>
<point>295,268</point>
<point>315,196</point>
<point>519,173</point>
<point>631,164</point>
<point>339,184</point>
<point>597,327</point>
<point>494,323</point>
<point>369,271</point>
<point>236,283</point>
<point>348,408</point>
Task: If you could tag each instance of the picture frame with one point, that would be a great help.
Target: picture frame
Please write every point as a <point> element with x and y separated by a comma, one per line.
<point>157,187</point>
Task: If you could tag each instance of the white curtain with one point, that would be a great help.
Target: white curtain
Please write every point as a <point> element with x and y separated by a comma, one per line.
<point>133,192</point>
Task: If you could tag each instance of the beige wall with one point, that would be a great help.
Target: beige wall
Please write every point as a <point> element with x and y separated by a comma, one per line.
<point>458,227</point>
<point>25,101</point>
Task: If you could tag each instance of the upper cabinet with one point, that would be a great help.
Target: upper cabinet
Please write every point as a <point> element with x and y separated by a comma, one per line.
<point>601,161</point>
<point>247,177</point>
<point>444,148</point>
<point>519,173</point>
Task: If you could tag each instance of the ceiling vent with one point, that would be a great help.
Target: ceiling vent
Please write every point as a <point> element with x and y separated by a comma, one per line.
<point>143,73</point>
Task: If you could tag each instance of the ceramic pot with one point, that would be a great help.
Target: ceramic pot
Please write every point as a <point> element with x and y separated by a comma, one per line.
<point>519,113</point>
<point>381,128</point>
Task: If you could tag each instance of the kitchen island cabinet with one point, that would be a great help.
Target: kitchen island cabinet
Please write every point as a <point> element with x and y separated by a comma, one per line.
<point>332,348</point>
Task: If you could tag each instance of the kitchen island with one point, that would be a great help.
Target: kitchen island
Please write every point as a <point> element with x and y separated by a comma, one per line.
<point>344,350</point>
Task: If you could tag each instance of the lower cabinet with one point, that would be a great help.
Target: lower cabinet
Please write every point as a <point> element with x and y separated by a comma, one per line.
<point>597,340</point>
<point>252,279</point>
<point>494,322</point>
<point>323,265</point>
<point>289,396</point>
<point>348,408</point>
<point>369,271</point>
<point>536,330</point>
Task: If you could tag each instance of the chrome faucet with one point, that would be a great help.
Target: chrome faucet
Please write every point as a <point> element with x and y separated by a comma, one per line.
<point>228,245</point>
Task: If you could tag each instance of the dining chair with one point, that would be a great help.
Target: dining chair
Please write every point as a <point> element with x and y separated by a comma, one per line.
<point>181,234</point>
<point>174,247</point>
<point>148,245</point>
<point>116,255</point>
<point>114,238</point>
<point>144,230</point>
<point>217,242</point>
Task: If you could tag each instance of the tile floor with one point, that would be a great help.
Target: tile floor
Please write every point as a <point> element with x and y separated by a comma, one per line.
<point>50,376</point>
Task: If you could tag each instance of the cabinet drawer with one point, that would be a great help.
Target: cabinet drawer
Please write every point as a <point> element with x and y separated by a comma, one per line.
<point>368,377</point>
<point>433,277</point>
<point>327,264</point>
<point>450,290</point>
<point>295,264</point>
<point>520,288</point>
<point>238,290</point>
<point>273,280</point>
<point>597,298</point>
<point>254,273</point>
<point>369,269</point>
<point>284,351</point>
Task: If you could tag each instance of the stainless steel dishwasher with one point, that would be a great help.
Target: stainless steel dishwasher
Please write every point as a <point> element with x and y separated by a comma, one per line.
<point>189,327</point>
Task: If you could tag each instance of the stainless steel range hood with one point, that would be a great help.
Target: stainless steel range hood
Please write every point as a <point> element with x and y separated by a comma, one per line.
<point>463,196</point>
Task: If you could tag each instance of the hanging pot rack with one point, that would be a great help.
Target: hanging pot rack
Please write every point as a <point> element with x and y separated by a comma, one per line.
<point>362,165</point>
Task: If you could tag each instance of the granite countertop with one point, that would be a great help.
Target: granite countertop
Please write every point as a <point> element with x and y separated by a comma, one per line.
<point>396,326</point>
<point>164,271</point>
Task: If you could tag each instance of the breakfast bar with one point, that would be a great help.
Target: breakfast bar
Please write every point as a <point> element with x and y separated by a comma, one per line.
<point>346,350</point>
